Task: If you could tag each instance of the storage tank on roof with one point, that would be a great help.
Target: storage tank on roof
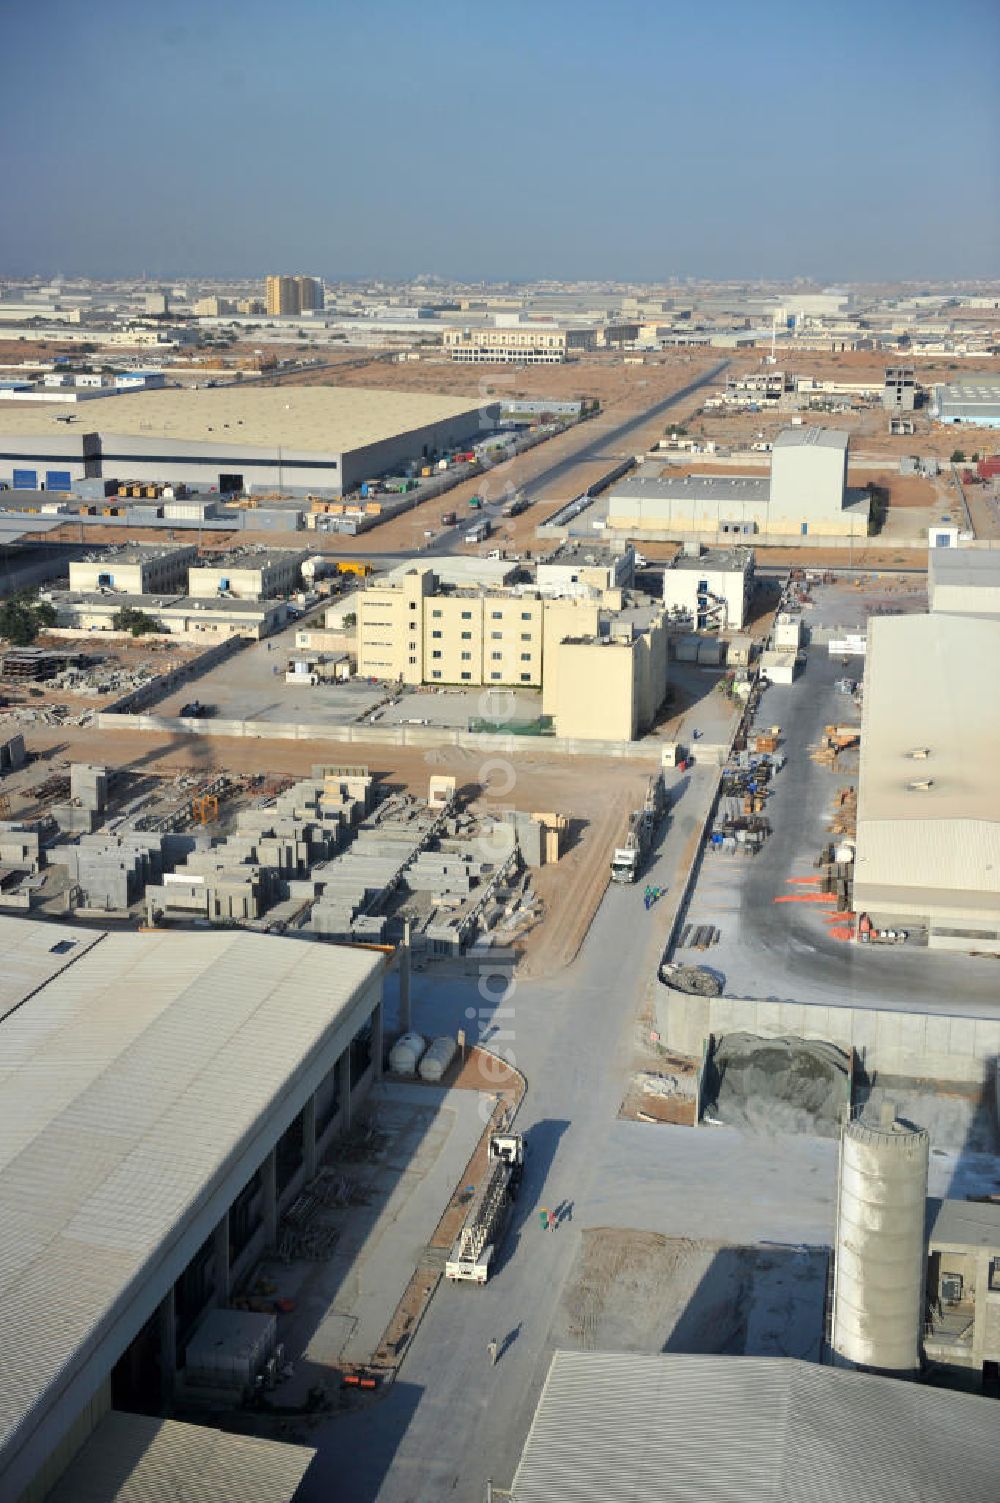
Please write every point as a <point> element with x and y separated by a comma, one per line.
<point>880,1262</point>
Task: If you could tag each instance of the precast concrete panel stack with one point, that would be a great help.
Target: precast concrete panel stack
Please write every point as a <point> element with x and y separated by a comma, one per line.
<point>878,1295</point>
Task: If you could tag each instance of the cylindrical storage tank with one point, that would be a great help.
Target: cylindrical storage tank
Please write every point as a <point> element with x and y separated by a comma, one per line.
<point>878,1291</point>
<point>437,1059</point>
<point>404,1056</point>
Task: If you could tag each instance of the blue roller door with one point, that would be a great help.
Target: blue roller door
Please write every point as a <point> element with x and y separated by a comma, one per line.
<point>25,480</point>
<point>57,480</point>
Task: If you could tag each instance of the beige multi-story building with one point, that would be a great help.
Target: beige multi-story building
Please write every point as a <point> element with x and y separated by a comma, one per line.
<point>595,686</point>
<point>213,307</point>
<point>412,631</point>
<point>607,687</point>
<point>251,307</point>
<point>282,296</point>
<point>290,295</point>
<point>541,344</point>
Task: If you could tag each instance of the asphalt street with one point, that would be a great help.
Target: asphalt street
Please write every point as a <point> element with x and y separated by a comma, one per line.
<point>451,1420</point>
<point>606,443</point>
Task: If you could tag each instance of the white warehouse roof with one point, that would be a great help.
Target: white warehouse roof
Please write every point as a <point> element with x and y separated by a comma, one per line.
<point>617,1428</point>
<point>931,823</point>
<point>319,418</point>
<point>133,1084</point>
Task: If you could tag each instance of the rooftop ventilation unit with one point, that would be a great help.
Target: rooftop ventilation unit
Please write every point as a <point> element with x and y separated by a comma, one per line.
<point>921,785</point>
<point>920,753</point>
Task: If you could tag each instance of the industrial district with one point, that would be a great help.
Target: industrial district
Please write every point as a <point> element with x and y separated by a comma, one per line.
<point>499,891</point>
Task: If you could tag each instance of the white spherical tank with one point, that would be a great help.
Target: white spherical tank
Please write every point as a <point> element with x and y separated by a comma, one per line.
<point>880,1261</point>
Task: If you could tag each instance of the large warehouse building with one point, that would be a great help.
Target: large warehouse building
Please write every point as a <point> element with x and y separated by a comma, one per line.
<point>975,402</point>
<point>805,498</point>
<point>162,1098</point>
<point>928,834</point>
<point>615,1427</point>
<point>239,439</point>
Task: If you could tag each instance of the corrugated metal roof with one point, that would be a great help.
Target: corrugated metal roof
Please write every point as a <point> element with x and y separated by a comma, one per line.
<point>616,1428</point>
<point>33,954</point>
<point>133,1459</point>
<point>128,1085</point>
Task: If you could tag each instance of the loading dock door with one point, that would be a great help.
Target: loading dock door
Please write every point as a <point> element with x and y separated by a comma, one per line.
<point>26,480</point>
<point>57,480</point>
<point>230,483</point>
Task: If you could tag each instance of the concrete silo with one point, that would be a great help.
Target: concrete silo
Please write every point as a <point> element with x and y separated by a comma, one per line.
<point>880,1261</point>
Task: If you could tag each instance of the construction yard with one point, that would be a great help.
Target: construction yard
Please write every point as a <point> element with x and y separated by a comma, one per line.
<point>64,680</point>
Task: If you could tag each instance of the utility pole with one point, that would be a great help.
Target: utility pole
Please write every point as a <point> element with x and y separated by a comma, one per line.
<point>404,979</point>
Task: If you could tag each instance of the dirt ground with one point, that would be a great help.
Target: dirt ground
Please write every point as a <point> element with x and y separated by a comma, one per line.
<point>640,1291</point>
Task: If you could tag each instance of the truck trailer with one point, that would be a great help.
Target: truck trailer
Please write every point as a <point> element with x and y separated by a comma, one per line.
<point>474,1252</point>
<point>630,857</point>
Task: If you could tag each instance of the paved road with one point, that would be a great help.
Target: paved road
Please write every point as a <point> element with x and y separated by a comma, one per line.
<point>451,1420</point>
<point>606,443</point>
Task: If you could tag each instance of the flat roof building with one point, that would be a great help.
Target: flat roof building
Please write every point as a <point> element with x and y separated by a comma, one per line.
<point>612,1427</point>
<point>145,1088</point>
<point>248,575</point>
<point>235,439</point>
<point>928,827</point>
<point>963,1285</point>
<point>525,344</point>
<point>711,586</point>
<point>964,581</point>
<point>805,497</point>
<point>134,570</point>
<point>176,615</point>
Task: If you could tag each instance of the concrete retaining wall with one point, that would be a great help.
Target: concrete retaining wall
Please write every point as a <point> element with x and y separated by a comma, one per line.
<point>165,683</point>
<point>644,752</point>
<point>916,1045</point>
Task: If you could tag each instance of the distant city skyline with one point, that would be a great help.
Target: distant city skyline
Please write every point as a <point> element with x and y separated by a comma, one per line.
<point>636,143</point>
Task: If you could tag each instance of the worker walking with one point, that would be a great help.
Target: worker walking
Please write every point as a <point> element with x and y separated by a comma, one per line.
<point>494,1350</point>
<point>543,1217</point>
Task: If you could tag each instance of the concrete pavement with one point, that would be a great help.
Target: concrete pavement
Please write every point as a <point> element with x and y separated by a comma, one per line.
<point>452,1420</point>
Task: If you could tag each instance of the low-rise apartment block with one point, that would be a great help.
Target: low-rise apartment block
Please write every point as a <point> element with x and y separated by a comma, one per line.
<point>134,571</point>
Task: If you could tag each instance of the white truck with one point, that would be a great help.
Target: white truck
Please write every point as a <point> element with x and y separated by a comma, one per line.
<point>488,1213</point>
<point>628,858</point>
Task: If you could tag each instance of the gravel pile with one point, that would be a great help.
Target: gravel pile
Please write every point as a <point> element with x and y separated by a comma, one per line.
<point>782,1085</point>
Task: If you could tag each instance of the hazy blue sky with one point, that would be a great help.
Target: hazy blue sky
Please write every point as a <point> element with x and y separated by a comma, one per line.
<point>852,140</point>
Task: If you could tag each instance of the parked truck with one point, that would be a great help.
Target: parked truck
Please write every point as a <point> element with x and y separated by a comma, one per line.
<point>630,857</point>
<point>514,508</point>
<point>479,532</point>
<point>481,1235</point>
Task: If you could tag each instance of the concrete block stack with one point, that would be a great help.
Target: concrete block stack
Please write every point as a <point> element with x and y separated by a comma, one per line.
<point>20,847</point>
